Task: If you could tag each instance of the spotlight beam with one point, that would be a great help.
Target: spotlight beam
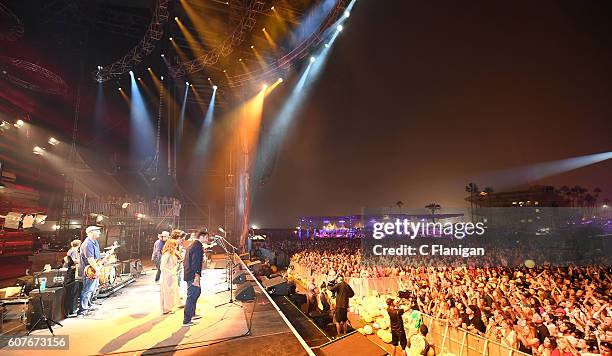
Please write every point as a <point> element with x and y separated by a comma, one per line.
<point>143,135</point>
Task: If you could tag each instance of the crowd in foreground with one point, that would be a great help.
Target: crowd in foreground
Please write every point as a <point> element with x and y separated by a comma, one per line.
<point>539,311</point>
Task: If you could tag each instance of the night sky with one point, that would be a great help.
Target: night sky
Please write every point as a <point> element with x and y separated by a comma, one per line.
<point>420,98</point>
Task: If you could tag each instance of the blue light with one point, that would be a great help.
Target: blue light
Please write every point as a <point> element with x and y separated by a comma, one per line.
<point>143,135</point>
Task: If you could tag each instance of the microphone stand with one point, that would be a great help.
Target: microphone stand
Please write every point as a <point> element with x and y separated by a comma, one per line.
<point>230,257</point>
<point>219,241</point>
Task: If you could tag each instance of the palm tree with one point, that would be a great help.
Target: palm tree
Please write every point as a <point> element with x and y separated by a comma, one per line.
<point>567,192</point>
<point>488,191</point>
<point>471,188</point>
<point>589,201</point>
<point>399,206</point>
<point>433,207</point>
<point>596,192</point>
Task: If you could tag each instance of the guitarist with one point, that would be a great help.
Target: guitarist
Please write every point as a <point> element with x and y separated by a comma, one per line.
<point>90,252</point>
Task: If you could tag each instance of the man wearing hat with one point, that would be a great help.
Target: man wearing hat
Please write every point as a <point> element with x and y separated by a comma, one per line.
<point>90,253</point>
<point>157,252</point>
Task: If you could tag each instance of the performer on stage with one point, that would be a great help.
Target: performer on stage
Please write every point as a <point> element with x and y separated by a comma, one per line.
<point>193,271</point>
<point>169,276</point>
<point>72,256</point>
<point>90,253</point>
<point>157,252</point>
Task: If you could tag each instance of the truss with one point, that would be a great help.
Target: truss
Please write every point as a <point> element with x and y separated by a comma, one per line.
<point>153,34</point>
<point>245,25</point>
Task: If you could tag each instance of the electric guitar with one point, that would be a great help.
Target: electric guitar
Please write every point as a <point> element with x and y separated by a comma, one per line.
<point>90,272</point>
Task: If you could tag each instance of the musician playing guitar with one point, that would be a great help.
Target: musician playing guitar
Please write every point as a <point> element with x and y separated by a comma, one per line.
<point>90,253</point>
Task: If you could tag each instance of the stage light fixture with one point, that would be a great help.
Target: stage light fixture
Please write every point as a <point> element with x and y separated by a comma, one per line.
<point>186,83</point>
<point>239,59</point>
<point>162,77</point>
<point>176,18</point>
<point>312,59</point>
<point>139,79</point>
<point>132,73</point>
<point>99,67</point>
<point>272,8</point>
<point>19,123</point>
<point>215,87</point>
<point>347,14</point>
<point>327,45</point>
<point>340,28</point>
<point>53,141</point>
<point>170,39</point>
<point>162,55</point>
<point>263,29</point>
<point>264,86</point>
<point>254,227</point>
<point>38,151</point>
<point>148,68</point>
<point>119,89</point>
<point>280,80</point>
<point>252,47</point>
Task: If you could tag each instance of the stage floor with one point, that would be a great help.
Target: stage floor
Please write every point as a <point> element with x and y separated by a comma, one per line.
<point>131,322</point>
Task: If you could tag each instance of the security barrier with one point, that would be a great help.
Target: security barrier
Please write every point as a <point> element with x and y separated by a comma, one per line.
<point>447,340</point>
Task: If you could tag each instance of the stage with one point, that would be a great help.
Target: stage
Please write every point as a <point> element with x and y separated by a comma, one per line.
<point>131,322</point>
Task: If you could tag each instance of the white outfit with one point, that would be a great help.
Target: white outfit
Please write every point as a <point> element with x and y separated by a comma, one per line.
<point>169,282</point>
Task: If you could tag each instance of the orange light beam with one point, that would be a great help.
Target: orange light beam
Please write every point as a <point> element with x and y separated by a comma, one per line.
<point>259,57</point>
<point>193,44</point>
<point>268,38</point>
<point>179,51</point>
<point>195,18</point>
<point>125,97</point>
<point>200,101</point>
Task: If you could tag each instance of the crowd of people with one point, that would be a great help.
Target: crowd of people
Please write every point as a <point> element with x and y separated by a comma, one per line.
<point>127,205</point>
<point>540,310</point>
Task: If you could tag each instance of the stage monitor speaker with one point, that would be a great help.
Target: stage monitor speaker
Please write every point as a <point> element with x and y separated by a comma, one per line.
<point>53,298</point>
<point>240,277</point>
<point>245,292</point>
<point>254,266</point>
<point>276,286</point>
<point>135,267</point>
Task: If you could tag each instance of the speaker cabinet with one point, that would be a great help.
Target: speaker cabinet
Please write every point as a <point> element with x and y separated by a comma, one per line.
<point>245,292</point>
<point>73,295</point>
<point>254,266</point>
<point>53,299</point>
<point>239,277</point>
<point>276,285</point>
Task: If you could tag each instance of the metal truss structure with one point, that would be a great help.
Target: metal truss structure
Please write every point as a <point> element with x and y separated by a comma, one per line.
<point>245,25</point>
<point>54,83</point>
<point>146,45</point>
<point>284,63</point>
<point>15,27</point>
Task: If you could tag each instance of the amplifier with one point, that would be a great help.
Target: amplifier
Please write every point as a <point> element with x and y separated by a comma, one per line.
<point>53,299</point>
<point>54,277</point>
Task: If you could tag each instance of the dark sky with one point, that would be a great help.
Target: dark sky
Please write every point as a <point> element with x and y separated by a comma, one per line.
<point>419,98</point>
